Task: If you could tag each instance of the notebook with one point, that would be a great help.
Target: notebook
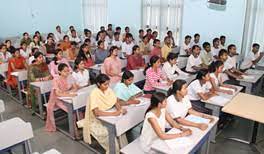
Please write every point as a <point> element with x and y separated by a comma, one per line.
<point>177,143</point>
<point>197,119</point>
<point>248,77</point>
<point>219,100</point>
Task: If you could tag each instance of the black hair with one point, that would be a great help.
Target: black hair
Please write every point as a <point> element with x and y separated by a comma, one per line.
<point>169,32</point>
<point>129,35</point>
<point>172,56</point>
<point>112,49</point>
<point>71,27</point>
<point>140,31</point>
<point>102,27</point>
<point>177,85</point>
<point>149,30</point>
<point>215,39</point>
<point>229,47</point>
<point>205,44</point>
<point>57,26</point>
<point>99,42</point>
<point>100,79</point>
<point>202,73</point>
<point>135,47</point>
<point>8,41</point>
<point>221,52</point>
<point>155,99</point>
<point>195,46</point>
<point>154,32</point>
<point>38,43</point>
<point>116,33</point>
<point>25,33</point>
<point>57,51</point>
<point>196,35</point>
<point>222,37</point>
<point>14,51</point>
<point>155,41</point>
<point>86,30</point>
<point>255,45</point>
<point>126,75</point>
<point>118,28</point>
<point>188,36</point>
<point>33,50</point>
<point>37,54</point>
<point>61,66</point>
<point>152,61</point>
<point>127,28</point>
<point>2,45</point>
<point>77,61</point>
<point>215,65</point>
<point>81,53</point>
<point>87,40</point>
<point>64,37</point>
<point>109,25</point>
<point>23,43</point>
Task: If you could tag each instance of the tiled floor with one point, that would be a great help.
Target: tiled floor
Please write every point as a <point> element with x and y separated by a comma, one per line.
<point>44,141</point>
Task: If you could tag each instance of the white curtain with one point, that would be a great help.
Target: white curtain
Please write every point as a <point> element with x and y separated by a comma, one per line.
<point>163,15</point>
<point>254,23</point>
<point>94,14</point>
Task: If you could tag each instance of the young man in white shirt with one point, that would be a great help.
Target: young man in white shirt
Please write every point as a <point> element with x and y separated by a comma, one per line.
<point>206,54</point>
<point>232,55</point>
<point>116,41</point>
<point>4,54</point>
<point>58,34</point>
<point>222,42</point>
<point>87,34</point>
<point>196,40</point>
<point>140,36</point>
<point>252,58</point>
<point>127,45</point>
<point>186,46</point>
<point>215,48</point>
<point>74,38</point>
<point>194,62</point>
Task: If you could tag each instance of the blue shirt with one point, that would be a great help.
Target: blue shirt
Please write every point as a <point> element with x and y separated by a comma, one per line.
<point>124,92</point>
<point>100,56</point>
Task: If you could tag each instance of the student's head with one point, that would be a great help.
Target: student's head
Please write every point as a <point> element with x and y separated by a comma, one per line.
<point>38,56</point>
<point>66,38</point>
<point>223,55</point>
<point>109,26</point>
<point>73,33</point>
<point>141,32</point>
<point>58,55</point>
<point>129,37</point>
<point>145,39</point>
<point>154,61</point>
<point>84,50</point>
<point>74,45</point>
<point>58,28</point>
<point>102,81</point>
<point>102,28</point>
<point>8,43</point>
<point>113,51</point>
<point>118,29</point>
<point>127,78</point>
<point>179,88</point>
<point>15,53</point>
<point>196,50</point>
<point>36,38</point>
<point>255,48</point>
<point>135,49</point>
<point>71,28</point>
<point>196,37</point>
<point>216,42</point>
<point>50,39</point>
<point>222,39</point>
<point>100,44</point>
<point>154,34</point>
<point>79,64</point>
<point>23,45</point>
<point>3,48</point>
<point>207,46</point>
<point>87,33</point>
<point>63,70</point>
<point>26,35</point>
<point>127,29</point>
<point>149,31</point>
<point>187,39</point>
<point>157,101</point>
<point>231,49</point>
<point>203,75</point>
<point>169,33</point>
<point>156,43</point>
<point>172,58</point>
<point>116,36</point>
<point>216,67</point>
<point>167,40</point>
<point>87,41</point>
<point>37,33</point>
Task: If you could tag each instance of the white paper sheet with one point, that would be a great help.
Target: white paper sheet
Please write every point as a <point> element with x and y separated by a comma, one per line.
<point>219,100</point>
<point>197,119</point>
<point>230,89</point>
<point>177,143</point>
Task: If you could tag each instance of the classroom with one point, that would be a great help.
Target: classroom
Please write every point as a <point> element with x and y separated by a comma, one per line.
<point>132,77</point>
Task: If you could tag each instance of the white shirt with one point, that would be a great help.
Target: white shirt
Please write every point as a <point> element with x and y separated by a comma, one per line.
<point>195,87</point>
<point>75,39</point>
<point>178,109</point>
<point>148,135</point>
<point>184,47</point>
<point>30,59</point>
<point>117,43</point>
<point>58,36</point>
<point>247,62</point>
<point>217,80</point>
<point>169,71</point>
<point>82,79</point>
<point>5,58</point>
<point>192,61</point>
<point>138,40</point>
<point>215,51</point>
<point>26,53</point>
<point>127,48</point>
<point>230,62</point>
<point>193,43</point>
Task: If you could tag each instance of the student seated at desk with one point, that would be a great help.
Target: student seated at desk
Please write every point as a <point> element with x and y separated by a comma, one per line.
<point>56,61</point>
<point>126,91</point>
<point>100,53</point>
<point>37,71</point>
<point>206,54</point>
<point>215,48</point>
<point>166,48</point>
<point>201,89</point>
<point>65,44</point>
<point>17,63</point>
<point>170,68</point>
<point>80,74</point>
<point>4,54</point>
<point>62,86</point>
<point>26,39</point>
<point>154,76</point>
<point>127,45</point>
<point>252,58</point>
<point>116,41</point>
<point>144,46</point>
<point>232,56</point>
<point>136,60</point>
<point>85,55</point>
<point>155,121</point>
<point>156,50</point>
<point>186,46</point>
<point>179,106</point>
<point>100,100</point>
<point>215,69</point>
<point>194,62</point>
<point>112,65</point>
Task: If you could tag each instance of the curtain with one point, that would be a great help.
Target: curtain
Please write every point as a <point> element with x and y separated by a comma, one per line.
<point>163,15</point>
<point>94,14</point>
<point>253,29</point>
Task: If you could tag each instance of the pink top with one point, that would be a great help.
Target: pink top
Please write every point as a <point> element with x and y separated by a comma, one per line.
<point>114,66</point>
<point>54,68</point>
<point>155,52</point>
<point>153,79</point>
<point>61,84</point>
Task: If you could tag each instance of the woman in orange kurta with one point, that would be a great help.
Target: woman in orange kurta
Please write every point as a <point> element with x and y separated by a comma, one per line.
<point>17,63</point>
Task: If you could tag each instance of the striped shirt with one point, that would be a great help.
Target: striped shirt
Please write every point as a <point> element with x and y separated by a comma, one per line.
<point>153,79</point>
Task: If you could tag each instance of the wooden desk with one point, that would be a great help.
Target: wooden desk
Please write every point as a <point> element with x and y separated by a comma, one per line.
<point>248,107</point>
<point>15,132</point>
<point>41,89</point>
<point>118,125</point>
<point>20,77</point>
<point>198,137</point>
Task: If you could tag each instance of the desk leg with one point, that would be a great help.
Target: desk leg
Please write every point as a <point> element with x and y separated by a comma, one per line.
<point>112,135</point>
<point>216,112</point>
<point>205,147</point>
<point>19,91</point>
<point>70,120</point>
<point>39,102</point>
<point>247,85</point>
<point>28,147</point>
<point>255,132</point>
